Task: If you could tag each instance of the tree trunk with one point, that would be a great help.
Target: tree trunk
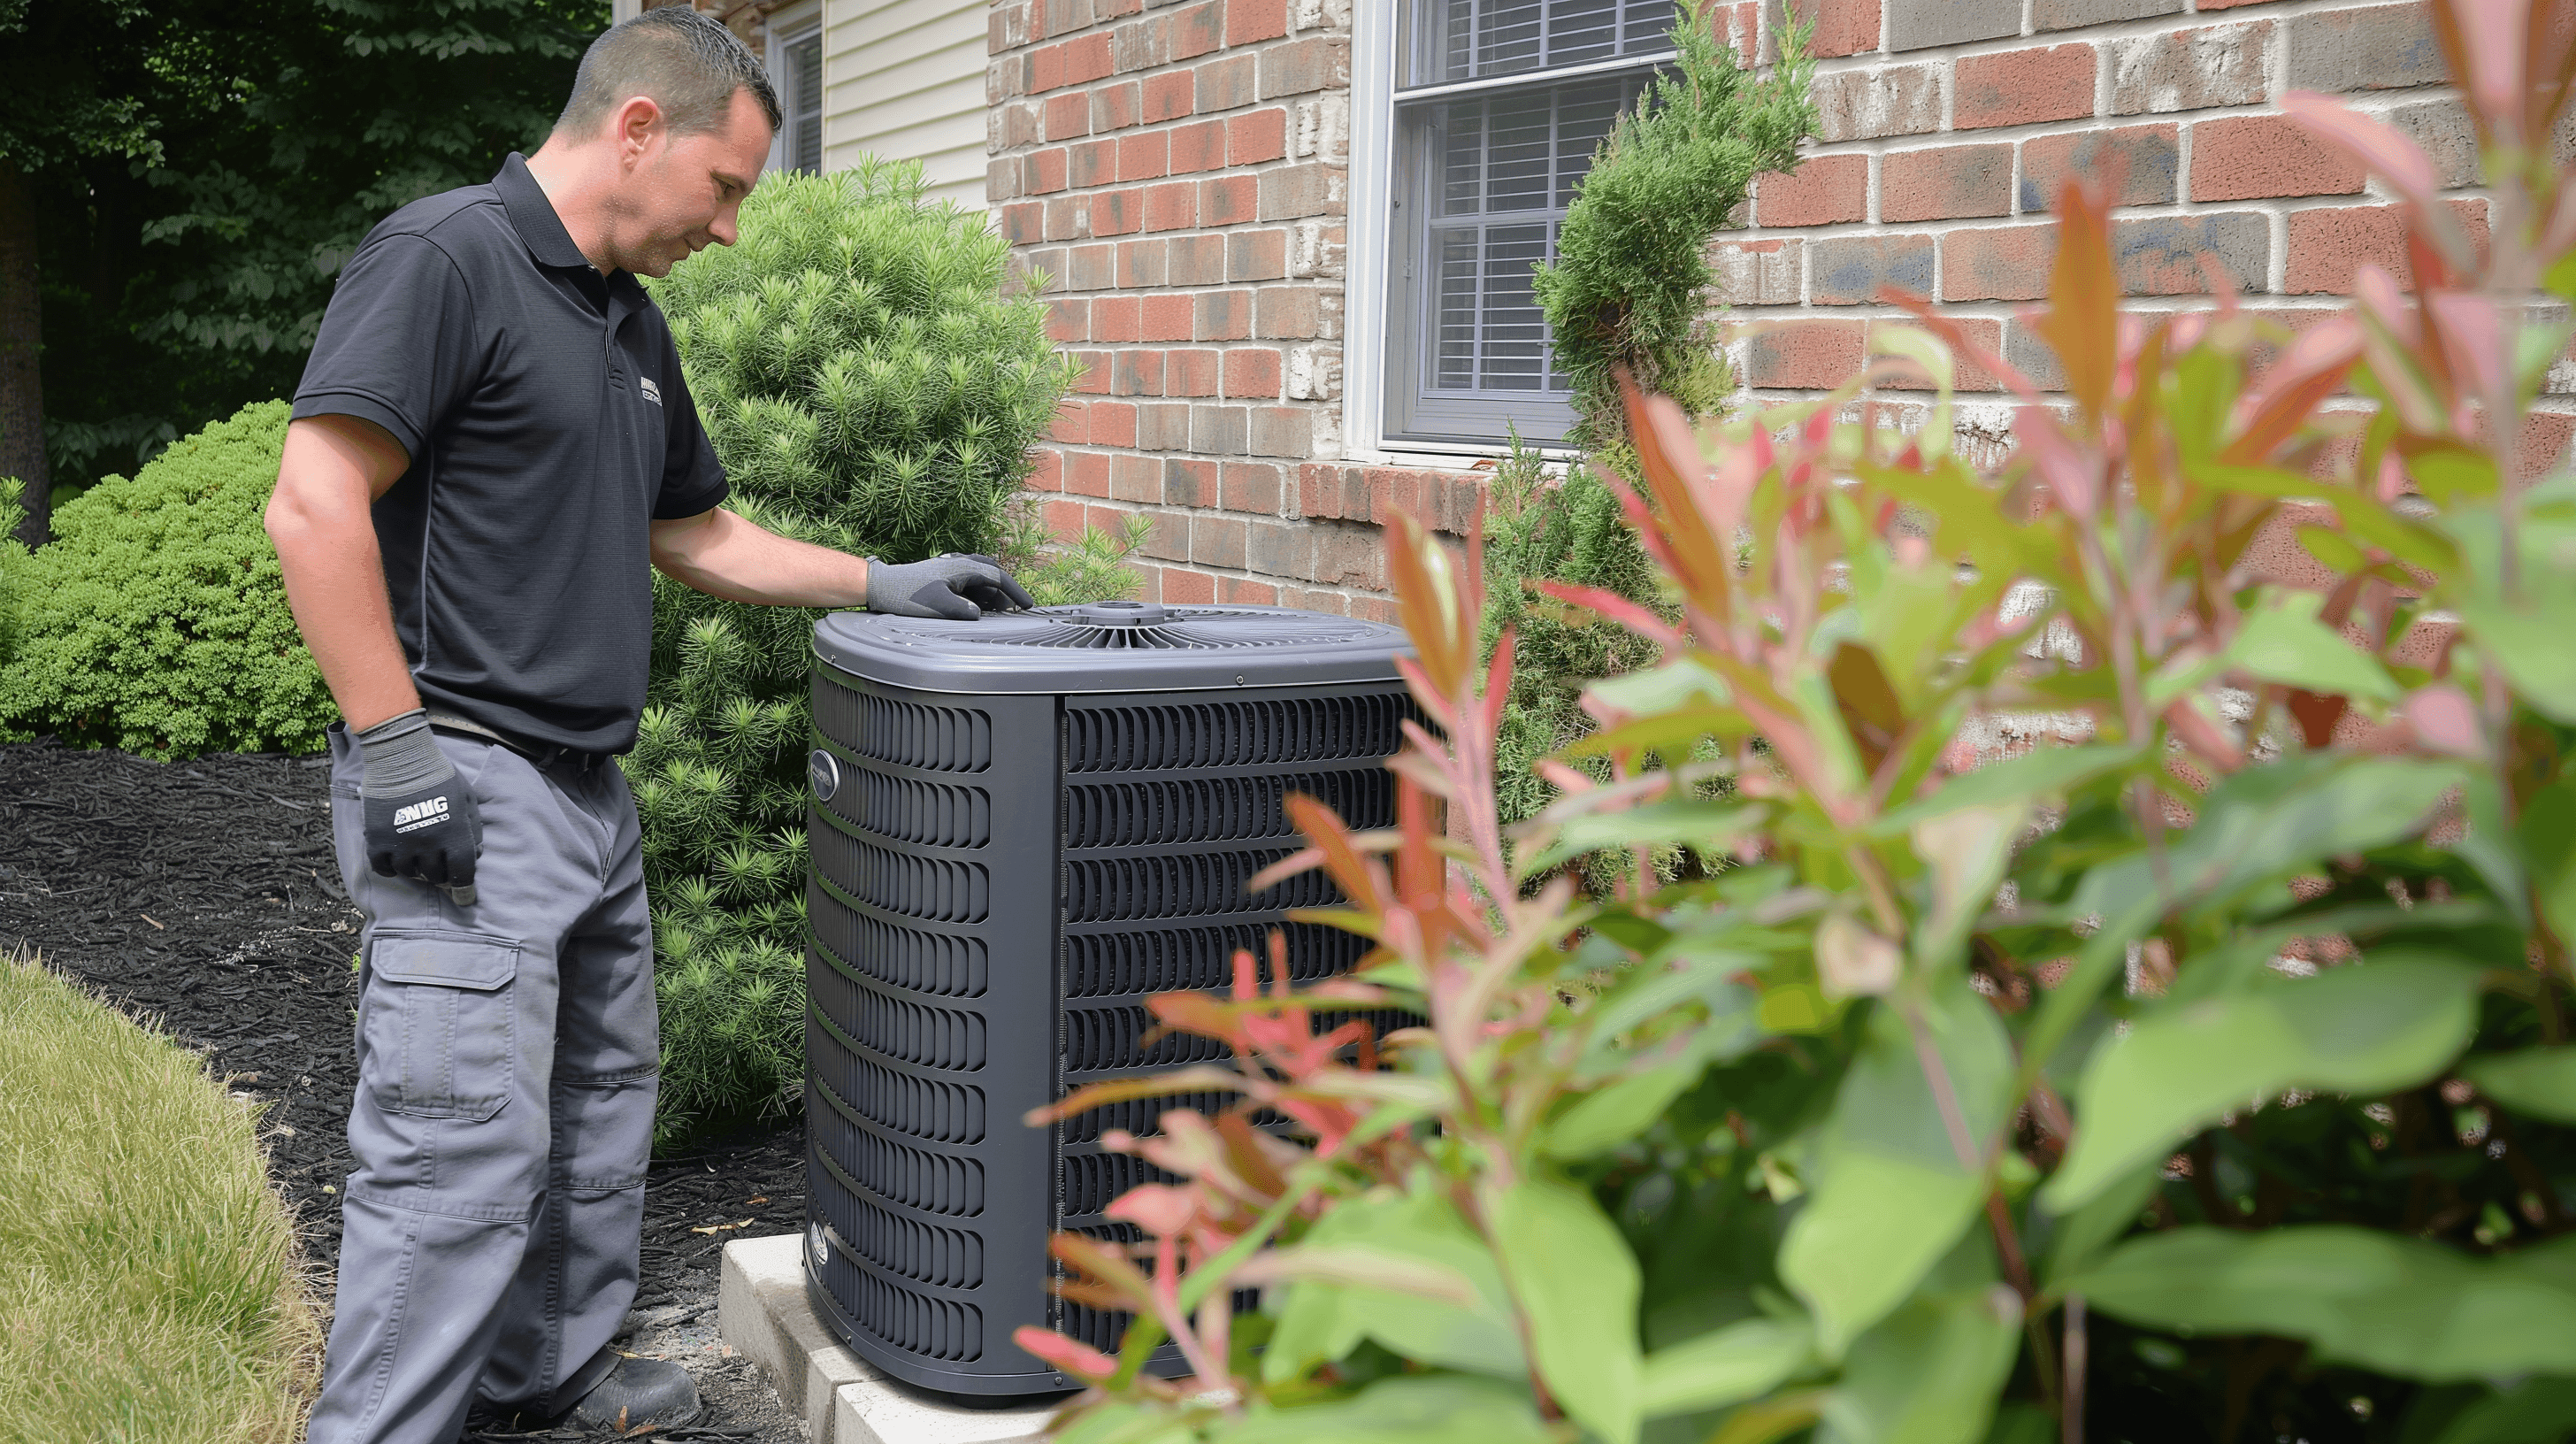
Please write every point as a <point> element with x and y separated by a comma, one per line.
<point>22,391</point>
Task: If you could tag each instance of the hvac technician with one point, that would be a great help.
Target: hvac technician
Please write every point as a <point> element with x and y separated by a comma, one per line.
<point>490,444</point>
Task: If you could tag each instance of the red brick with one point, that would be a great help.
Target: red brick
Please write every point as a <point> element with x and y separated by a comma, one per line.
<point>1068,115</point>
<point>1945,183</point>
<point>1198,30</point>
<point>1852,270</point>
<point>1117,318</point>
<point>1247,21</point>
<point>1288,313</point>
<point>1168,317</point>
<point>1251,486</point>
<point>1824,191</point>
<point>1092,163</point>
<point>1044,170</point>
<point>1283,431</point>
<point>1163,427</point>
<point>1198,261</point>
<point>1244,592</point>
<point>1224,315</point>
<point>1215,541</point>
<point>1087,59</point>
<point>1165,97</point>
<point>1046,473</point>
<point>1140,263</point>
<point>1090,268</point>
<point>2008,263</point>
<point>2140,157</point>
<point>1229,200</point>
<point>1063,518</point>
<point>1144,157</point>
<point>1759,273</point>
<point>1086,473</point>
<point>2250,157</point>
<point>1024,224</point>
<point>1068,218</point>
<point>1119,212</point>
<point>1225,84</point>
<point>2329,246</point>
<point>1256,256</point>
<point>1198,147</point>
<point>2540,443</point>
<point>2021,87</point>
<point>1303,67</point>
<point>1190,373</point>
<point>2175,255</point>
<point>1187,588</point>
<point>1966,374</point>
<point>1172,206</point>
<point>1046,68</point>
<point>1072,424</point>
<point>1252,139</point>
<point>1113,423</point>
<point>1843,27</point>
<point>1806,355</point>
<point>1252,373</point>
<point>1116,107</point>
<point>1135,373</point>
<point>1137,479</point>
<point>1068,320</point>
<point>1294,191</point>
<point>1189,481</point>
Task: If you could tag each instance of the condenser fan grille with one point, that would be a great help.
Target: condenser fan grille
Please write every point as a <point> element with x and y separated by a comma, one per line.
<point>1135,627</point>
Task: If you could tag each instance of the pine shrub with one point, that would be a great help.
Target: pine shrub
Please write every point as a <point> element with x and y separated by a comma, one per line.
<point>871,384</point>
<point>13,562</point>
<point>156,620</point>
<point>1630,290</point>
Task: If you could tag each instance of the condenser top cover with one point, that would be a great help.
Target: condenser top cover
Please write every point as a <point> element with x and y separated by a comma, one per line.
<point>1111,647</point>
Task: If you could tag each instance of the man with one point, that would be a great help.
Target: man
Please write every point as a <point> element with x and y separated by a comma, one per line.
<point>492,438</point>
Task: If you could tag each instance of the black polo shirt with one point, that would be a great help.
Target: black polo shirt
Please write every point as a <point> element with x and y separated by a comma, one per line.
<point>548,424</point>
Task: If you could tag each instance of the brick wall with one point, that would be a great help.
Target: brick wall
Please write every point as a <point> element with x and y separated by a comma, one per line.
<point>1948,126</point>
<point>1181,168</point>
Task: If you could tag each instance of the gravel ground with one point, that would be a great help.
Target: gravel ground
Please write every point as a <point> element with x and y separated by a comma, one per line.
<point>204,894</point>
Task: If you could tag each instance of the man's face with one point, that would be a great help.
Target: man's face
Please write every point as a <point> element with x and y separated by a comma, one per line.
<point>682,193</point>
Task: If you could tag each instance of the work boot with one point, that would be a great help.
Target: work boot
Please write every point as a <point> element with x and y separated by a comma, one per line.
<point>635,1393</point>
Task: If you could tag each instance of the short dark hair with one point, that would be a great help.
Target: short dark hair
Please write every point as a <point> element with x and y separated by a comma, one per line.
<point>689,63</point>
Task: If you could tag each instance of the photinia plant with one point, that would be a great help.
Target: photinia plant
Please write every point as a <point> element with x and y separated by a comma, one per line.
<point>2130,991</point>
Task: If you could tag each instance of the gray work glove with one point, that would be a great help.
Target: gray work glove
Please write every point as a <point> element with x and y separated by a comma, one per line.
<point>957,586</point>
<point>421,824</point>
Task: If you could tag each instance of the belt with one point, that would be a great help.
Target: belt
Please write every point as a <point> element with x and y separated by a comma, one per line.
<point>543,755</point>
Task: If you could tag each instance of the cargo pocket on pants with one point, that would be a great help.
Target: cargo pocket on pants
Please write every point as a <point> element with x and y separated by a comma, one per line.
<point>440,1023</point>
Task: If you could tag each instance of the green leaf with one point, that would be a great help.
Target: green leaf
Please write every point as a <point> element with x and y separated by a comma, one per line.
<point>1711,828</point>
<point>2398,1305</point>
<point>1322,1321</point>
<point>2527,1411</point>
<point>2538,1081</point>
<point>1964,852</point>
<point>2080,1237</point>
<point>1891,1193</point>
<point>2368,1028</point>
<point>2531,649</point>
<point>2042,776</point>
<point>2282,641</point>
<point>1437,1409</point>
<point>1741,1361</point>
<point>1577,1285</point>
<point>1929,1374</point>
<point>2546,831</point>
<point>2268,823</point>
<point>1608,1117</point>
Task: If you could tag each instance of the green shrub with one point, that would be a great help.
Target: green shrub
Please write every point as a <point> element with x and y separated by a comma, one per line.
<point>870,386</point>
<point>156,620</point>
<point>13,563</point>
<point>153,1292</point>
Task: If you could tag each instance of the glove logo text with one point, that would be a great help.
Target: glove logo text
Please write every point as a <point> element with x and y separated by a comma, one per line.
<point>427,813</point>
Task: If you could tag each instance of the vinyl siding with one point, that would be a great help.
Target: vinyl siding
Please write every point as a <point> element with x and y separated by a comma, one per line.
<point>904,79</point>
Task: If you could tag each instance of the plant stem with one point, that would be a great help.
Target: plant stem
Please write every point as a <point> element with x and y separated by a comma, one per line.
<point>2070,1404</point>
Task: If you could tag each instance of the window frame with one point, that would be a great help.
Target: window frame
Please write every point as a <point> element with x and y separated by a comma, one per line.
<point>1388,299</point>
<point>788,26</point>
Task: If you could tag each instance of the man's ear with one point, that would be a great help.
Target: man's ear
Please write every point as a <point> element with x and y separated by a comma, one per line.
<point>636,124</point>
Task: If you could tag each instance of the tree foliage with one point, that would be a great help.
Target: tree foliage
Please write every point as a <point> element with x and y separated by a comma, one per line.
<point>2131,998</point>
<point>230,158</point>
<point>156,620</point>
<point>871,387</point>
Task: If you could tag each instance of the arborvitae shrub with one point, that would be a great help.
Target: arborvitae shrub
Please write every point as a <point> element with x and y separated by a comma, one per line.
<point>13,562</point>
<point>872,383</point>
<point>156,619</point>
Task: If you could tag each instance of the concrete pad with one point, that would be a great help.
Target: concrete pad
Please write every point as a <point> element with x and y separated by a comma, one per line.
<point>762,1310</point>
<point>881,1411</point>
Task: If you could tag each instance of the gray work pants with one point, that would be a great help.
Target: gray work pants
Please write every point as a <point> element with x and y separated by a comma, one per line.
<point>506,1072</point>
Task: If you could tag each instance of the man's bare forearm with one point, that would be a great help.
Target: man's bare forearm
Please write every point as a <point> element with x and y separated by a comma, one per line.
<point>319,519</point>
<point>721,554</point>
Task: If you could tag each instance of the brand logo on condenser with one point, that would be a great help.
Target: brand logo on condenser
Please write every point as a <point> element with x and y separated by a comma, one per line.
<point>418,815</point>
<point>652,389</point>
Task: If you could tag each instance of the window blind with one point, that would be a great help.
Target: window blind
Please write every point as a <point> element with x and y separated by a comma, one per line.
<point>1479,38</point>
<point>805,104</point>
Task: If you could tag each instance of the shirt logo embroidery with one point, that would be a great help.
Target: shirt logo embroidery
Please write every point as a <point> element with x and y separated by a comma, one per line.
<point>652,389</point>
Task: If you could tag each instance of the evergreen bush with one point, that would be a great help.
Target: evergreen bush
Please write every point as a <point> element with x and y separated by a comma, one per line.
<point>1630,289</point>
<point>869,386</point>
<point>13,562</point>
<point>156,620</point>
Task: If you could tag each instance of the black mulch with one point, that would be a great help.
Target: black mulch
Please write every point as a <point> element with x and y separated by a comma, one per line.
<point>205,894</point>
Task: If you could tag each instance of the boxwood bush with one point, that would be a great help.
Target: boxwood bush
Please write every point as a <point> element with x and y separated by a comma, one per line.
<point>156,619</point>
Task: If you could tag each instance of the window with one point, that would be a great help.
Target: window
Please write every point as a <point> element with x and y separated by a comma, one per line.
<point>1498,107</point>
<point>796,73</point>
